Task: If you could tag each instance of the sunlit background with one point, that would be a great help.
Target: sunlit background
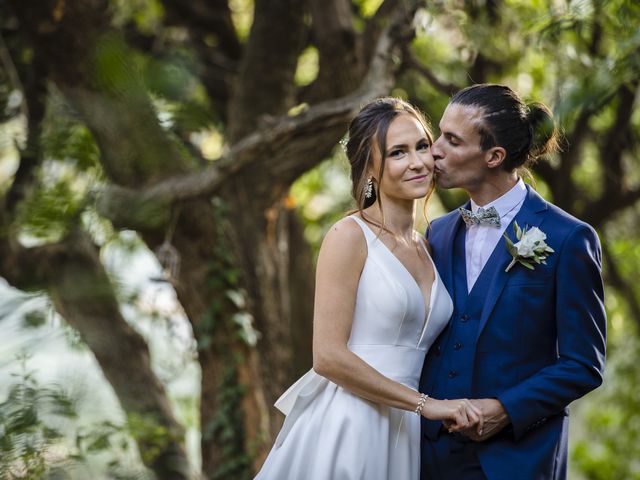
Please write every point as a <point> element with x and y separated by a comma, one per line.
<point>60,415</point>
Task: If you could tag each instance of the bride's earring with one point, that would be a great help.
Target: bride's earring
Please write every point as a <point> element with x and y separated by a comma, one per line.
<point>368,190</point>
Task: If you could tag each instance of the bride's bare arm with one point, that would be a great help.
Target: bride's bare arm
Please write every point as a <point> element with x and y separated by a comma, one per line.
<point>340,263</point>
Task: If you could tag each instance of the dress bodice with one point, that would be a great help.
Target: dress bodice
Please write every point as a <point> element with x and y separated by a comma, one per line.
<point>392,327</point>
<point>390,306</point>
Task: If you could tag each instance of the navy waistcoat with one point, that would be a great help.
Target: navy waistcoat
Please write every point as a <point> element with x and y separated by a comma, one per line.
<point>454,376</point>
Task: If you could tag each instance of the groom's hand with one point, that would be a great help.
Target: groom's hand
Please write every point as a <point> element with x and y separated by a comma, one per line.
<point>495,419</point>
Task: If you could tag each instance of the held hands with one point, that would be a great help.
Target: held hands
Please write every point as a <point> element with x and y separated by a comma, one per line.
<point>494,415</point>
<point>458,415</point>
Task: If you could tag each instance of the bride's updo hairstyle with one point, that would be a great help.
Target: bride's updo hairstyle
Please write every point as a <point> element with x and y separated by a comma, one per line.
<point>526,132</point>
<point>368,131</point>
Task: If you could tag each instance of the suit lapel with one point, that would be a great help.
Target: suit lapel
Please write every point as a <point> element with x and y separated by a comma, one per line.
<point>531,214</point>
<point>445,268</point>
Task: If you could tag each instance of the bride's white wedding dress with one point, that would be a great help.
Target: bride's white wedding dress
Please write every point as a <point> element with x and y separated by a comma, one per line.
<point>330,433</point>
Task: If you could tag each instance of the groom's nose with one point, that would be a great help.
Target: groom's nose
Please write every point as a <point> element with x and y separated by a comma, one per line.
<point>436,151</point>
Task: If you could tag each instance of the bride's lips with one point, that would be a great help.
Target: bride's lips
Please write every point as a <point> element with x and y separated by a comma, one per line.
<point>417,178</point>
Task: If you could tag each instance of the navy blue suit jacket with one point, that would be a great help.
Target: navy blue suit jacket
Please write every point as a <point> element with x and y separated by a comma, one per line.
<point>540,342</point>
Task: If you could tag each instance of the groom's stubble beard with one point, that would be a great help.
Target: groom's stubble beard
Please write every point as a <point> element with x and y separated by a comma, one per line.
<point>446,181</point>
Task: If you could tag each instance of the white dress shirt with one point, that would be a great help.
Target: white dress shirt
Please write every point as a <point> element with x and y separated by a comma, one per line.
<point>482,239</point>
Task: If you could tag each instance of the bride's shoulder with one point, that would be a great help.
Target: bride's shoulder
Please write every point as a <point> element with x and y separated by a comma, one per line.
<point>345,238</point>
<point>346,231</point>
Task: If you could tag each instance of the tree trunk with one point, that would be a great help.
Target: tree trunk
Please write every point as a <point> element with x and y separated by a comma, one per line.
<point>244,239</point>
<point>72,273</point>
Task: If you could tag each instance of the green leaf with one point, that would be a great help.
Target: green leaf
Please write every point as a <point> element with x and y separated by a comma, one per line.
<point>34,319</point>
<point>527,264</point>
<point>518,230</point>
<point>513,251</point>
<point>100,443</point>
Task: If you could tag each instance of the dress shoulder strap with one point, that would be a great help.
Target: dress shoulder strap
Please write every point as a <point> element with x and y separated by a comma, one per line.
<point>366,230</point>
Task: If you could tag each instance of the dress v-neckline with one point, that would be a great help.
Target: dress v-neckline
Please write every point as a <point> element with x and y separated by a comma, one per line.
<point>428,305</point>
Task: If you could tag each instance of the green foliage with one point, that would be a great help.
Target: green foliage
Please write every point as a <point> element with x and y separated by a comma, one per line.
<point>242,16</point>
<point>115,68</point>
<point>598,50</point>
<point>573,54</point>
<point>27,434</point>
<point>226,428</point>
<point>70,168</point>
<point>66,140</point>
<point>226,316</point>
<point>39,436</point>
<point>323,196</point>
<point>146,430</point>
<point>610,447</point>
<point>307,70</point>
<point>368,7</point>
<point>227,302</point>
<point>145,14</point>
<point>171,77</point>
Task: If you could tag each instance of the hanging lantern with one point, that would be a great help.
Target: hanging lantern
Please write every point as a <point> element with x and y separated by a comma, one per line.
<point>169,259</point>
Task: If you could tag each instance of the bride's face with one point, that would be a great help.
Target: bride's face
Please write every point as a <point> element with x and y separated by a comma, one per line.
<point>408,169</point>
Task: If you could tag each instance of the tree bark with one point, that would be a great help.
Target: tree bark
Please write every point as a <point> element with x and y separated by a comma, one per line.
<point>265,83</point>
<point>242,238</point>
<point>81,292</point>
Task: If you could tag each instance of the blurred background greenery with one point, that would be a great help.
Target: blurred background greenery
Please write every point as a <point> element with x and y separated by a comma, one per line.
<point>147,332</point>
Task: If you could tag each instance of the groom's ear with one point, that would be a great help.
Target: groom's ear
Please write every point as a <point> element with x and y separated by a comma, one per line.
<point>495,156</point>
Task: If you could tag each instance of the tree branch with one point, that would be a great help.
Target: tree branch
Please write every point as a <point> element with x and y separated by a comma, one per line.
<point>412,62</point>
<point>615,193</point>
<point>379,21</point>
<point>206,17</point>
<point>203,20</point>
<point>570,157</point>
<point>265,84</point>
<point>71,272</point>
<point>546,171</point>
<point>616,279</point>
<point>35,91</point>
<point>283,150</point>
<point>598,212</point>
<point>135,209</point>
<point>341,63</point>
<point>614,143</point>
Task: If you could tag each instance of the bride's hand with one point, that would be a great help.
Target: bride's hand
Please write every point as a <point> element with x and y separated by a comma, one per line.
<point>457,414</point>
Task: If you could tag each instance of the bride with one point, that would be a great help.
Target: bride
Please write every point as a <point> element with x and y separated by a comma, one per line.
<point>379,305</point>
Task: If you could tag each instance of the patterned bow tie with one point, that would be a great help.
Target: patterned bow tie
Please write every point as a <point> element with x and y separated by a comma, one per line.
<point>489,217</point>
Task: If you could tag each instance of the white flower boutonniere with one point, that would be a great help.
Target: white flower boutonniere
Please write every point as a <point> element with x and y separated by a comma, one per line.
<point>530,248</point>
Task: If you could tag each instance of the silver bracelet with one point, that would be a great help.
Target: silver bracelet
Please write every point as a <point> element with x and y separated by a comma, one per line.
<point>421,402</point>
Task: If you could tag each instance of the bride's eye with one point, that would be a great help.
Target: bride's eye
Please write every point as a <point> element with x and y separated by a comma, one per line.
<point>424,146</point>
<point>395,153</point>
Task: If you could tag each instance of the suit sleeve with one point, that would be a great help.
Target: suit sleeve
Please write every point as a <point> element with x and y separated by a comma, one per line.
<point>581,335</point>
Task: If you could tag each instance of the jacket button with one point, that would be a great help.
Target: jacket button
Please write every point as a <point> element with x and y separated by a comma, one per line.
<point>464,317</point>
<point>453,374</point>
<point>438,351</point>
<point>457,346</point>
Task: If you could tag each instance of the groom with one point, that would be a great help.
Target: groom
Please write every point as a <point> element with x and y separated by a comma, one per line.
<point>526,342</point>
